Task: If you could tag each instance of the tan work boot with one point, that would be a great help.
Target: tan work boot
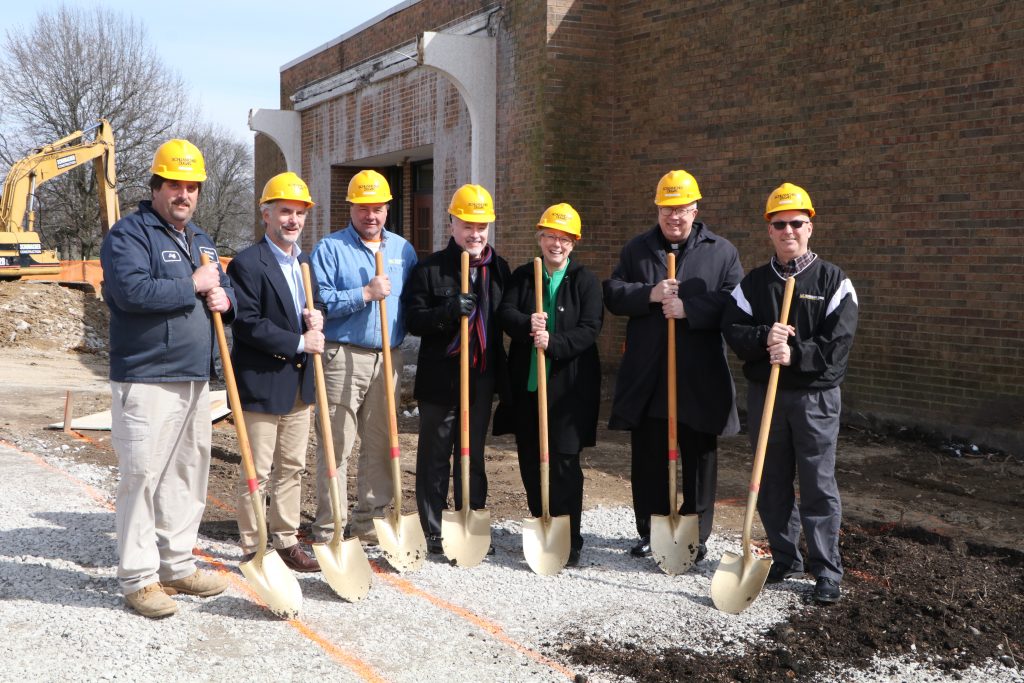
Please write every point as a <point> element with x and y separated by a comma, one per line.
<point>202,584</point>
<point>151,601</point>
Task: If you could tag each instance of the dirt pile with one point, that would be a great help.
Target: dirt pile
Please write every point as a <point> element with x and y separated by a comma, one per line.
<point>48,316</point>
<point>909,594</point>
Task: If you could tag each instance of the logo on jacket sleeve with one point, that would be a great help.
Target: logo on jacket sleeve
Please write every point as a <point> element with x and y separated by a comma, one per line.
<point>209,251</point>
<point>170,256</point>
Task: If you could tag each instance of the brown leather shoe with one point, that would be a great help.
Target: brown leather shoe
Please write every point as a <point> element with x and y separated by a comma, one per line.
<point>298,560</point>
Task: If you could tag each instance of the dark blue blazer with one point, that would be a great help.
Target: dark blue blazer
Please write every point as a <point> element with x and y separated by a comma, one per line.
<point>266,331</point>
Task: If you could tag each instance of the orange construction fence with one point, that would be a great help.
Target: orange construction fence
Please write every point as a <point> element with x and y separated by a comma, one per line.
<point>87,271</point>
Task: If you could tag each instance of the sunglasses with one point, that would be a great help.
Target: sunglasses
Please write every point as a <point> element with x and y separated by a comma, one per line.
<point>796,225</point>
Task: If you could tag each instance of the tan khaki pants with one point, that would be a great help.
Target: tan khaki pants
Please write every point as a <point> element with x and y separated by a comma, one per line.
<point>279,455</point>
<point>161,434</point>
<point>354,379</point>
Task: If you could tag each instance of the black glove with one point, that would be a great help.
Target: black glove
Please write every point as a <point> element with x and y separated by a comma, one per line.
<point>460,305</point>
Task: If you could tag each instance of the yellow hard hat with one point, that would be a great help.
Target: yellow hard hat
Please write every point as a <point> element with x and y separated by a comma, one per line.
<point>473,204</point>
<point>561,217</point>
<point>368,187</point>
<point>676,188</point>
<point>287,186</point>
<point>179,160</point>
<point>788,197</point>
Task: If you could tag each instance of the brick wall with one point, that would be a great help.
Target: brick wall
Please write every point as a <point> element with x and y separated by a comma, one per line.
<point>900,118</point>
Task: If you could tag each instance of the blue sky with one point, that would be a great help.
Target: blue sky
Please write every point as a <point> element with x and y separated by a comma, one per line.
<point>228,52</point>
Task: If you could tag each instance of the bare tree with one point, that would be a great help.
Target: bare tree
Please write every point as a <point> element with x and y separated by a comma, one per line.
<point>226,204</point>
<point>60,75</point>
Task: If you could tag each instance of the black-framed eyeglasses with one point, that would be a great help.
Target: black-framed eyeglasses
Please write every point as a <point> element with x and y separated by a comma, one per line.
<point>781,225</point>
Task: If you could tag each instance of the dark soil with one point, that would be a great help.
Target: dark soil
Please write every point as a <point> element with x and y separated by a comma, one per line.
<point>908,593</point>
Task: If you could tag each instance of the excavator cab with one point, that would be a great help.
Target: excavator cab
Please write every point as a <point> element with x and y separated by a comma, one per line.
<point>21,249</point>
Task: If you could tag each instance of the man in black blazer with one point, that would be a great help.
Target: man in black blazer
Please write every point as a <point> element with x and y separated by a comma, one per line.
<point>273,337</point>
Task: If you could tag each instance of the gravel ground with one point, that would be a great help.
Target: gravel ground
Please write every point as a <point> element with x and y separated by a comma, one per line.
<point>63,619</point>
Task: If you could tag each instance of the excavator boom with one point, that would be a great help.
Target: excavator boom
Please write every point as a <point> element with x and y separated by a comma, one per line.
<point>21,250</point>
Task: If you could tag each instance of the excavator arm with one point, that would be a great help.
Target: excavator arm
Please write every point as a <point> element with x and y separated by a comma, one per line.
<point>21,251</point>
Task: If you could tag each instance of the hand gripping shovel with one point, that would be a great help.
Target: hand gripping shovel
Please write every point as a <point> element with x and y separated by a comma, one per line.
<point>465,533</point>
<point>400,536</point>
<point>739,578</point>
<point>266,572</point>
<point>545,538</point>
<point>675,538</point>
<point>342,562</point>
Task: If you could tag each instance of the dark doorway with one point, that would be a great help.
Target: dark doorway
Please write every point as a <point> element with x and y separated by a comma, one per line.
<point>423,207</point>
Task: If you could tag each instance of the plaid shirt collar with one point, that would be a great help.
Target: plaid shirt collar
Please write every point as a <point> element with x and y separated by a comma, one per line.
<point>795,266</point>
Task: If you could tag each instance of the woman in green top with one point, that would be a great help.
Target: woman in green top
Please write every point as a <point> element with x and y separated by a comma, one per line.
<point>567,331</point>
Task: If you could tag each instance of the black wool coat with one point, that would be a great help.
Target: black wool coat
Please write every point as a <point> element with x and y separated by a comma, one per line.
<point>574,380</point>
<point>708,271</point>
<point>431,283</point>
<point>266,331</point>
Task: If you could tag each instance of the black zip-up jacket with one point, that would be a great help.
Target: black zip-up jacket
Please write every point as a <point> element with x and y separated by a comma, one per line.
<point>824,313</point>
<point>431,283</point>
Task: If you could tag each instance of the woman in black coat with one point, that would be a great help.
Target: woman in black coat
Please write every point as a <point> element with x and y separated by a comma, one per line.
<point>567,332</point>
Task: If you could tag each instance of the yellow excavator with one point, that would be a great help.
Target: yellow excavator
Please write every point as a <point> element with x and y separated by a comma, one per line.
<point>21,250</point>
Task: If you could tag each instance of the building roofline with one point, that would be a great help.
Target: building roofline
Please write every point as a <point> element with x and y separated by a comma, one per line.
<point>348,34</point>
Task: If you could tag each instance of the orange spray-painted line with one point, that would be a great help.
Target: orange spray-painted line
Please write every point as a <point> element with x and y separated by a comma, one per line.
<point>475,619</point>
<point>94,493</point>
<point>362,669</point>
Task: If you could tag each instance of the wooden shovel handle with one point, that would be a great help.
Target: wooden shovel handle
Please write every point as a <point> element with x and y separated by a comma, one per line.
<point>464,388</point>
<point>233,400</point>
<point>542,393</point>
<point>766,423</point>
<point>389,389</point>
<point>322,407</point>
<point>673,439</point>
<point>389,378</point>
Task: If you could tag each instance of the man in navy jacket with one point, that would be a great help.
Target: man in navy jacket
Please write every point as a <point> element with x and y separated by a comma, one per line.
<point>161,357</point>
<point>273,337</point>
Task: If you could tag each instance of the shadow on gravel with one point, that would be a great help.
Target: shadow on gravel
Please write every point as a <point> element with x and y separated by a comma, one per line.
<point>98,549</point>
<point>908,594</point>
<point>236,608</point>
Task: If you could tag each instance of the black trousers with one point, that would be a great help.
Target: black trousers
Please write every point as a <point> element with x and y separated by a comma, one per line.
<point>649,475</point>
<point>439,440</point>
<point>565,479</point>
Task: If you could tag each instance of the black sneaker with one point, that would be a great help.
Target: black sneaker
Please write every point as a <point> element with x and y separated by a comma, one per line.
<point>780,572</point>
<point>434,546</point>
<point>574,558</point>
<point>826,591</point>
<point>642,548</point>
<point>702,552</point>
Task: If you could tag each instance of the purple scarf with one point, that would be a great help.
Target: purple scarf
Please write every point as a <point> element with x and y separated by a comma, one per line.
<point>478,318</point>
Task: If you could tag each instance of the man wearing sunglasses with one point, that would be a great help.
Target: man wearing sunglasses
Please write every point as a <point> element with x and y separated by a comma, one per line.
<point>707,269</point>
<point>813,350</point>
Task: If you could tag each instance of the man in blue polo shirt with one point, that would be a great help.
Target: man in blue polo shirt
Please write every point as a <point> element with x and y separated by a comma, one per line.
<point>344,264</point>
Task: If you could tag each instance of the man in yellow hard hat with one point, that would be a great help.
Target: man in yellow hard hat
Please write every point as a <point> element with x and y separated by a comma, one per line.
<point>434,306</point>
<point>345,267</point>
<point>707,269</point>
<point>161,344</point>
<point>274,334</point>
<point>813,352</point>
